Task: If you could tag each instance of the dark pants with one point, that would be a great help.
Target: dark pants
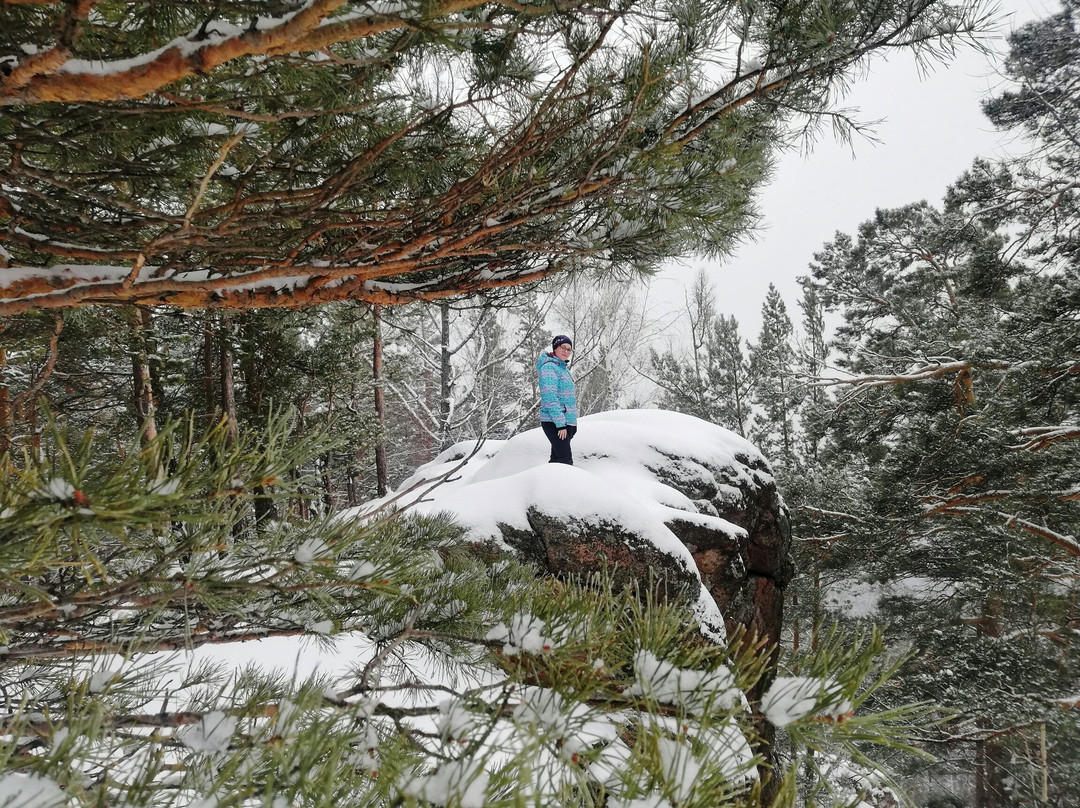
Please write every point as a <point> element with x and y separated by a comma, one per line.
<point>560,449</point>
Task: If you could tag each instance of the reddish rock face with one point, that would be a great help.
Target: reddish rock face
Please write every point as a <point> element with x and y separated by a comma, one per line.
<point>746,575</point>
<point>569,547</point>
<point>745,569</point>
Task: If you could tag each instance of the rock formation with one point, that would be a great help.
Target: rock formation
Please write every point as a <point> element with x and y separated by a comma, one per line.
<point>660,498</point>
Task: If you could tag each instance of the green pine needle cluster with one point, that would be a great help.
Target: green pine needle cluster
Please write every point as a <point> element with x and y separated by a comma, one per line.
<point>479,684</point>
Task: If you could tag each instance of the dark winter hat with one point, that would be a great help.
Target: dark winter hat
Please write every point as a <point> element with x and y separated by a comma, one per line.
<point>562,339</point>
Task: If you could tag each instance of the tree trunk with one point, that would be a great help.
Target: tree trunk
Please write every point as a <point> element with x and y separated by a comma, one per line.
<point>299,504</point>
<point>990,788</point>
<point>228,401</point>
<point>5,404</point>
<point>253,368</point>
<point>228,381</point>
<point>350,488</point>
<point>328,457</point>
<point>444,377</point>
<point>381,474</point>
<point>981,800</point>
<point>328,484</point>
<point>32,427</point>
<point>740,406</point>
<point>1044,767</point>
<point>795,638</point>
<point>143,390</point>
<point>208,374</point>
<point>153,361</point>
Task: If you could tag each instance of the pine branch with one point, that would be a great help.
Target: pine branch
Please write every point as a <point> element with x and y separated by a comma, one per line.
<point>1042,437</point>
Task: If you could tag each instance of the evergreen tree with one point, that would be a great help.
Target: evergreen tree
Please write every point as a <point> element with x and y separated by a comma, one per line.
<point>1040,188</point>
<point>733,374</point>
<point>943,496</point>
<point>776,391</point>
<point>811,364</point>
<point>958,356</point>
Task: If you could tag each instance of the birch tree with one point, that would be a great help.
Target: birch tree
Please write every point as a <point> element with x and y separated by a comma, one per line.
<point>711,377</point>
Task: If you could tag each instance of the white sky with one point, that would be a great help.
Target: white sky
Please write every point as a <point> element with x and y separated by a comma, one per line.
<point>931,128</point>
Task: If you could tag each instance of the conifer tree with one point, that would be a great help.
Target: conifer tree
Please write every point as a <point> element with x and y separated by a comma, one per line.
<point>776,391</point>
<point>237,155</point>
<point>942,497</point>
<point>1042,103</point>
<point>811,362</point>
<point>476,683</point>
<point>962,516</point>
<point>733,375</point>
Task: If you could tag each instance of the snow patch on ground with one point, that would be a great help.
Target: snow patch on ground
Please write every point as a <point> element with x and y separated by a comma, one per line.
<point>30,791</point>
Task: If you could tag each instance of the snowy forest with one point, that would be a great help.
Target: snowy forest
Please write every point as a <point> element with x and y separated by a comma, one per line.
<point>261,261</point>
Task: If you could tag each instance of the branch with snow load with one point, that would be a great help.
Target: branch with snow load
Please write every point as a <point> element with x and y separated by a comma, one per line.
<point>576,148</point>
<point>1038,438</point>
<point>54,76</point>
<point>961,368</point>
<point>290,287</point>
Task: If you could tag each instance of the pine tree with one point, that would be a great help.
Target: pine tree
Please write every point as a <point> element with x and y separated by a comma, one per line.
<point>1041,65</point>
<point>776,391</point>
<point>811,364</point>
<point>733,375</point>
<point>944,488</point>
<point>562,692</point>
<point>960,515</point>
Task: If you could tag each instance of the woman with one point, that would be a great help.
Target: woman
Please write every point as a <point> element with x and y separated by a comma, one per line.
<point>558,399</point>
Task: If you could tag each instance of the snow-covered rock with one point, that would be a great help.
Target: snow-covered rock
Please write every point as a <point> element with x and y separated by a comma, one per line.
<point>653,494</point>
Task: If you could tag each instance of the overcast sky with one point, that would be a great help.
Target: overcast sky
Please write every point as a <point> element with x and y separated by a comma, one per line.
<point>931,128</point>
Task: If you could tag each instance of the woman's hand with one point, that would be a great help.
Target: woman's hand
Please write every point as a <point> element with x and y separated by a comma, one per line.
<point>562,433</point>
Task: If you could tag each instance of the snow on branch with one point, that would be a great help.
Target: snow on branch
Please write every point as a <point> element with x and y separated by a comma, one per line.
<point>917,373</point>
<point>54,77</point>
<point>827,514</point>
<point>393,184</point>
<point>1042,437</point>
<point>1066,542</point>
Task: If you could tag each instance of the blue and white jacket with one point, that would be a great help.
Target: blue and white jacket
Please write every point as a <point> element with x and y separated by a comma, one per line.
<point>558,397</point>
